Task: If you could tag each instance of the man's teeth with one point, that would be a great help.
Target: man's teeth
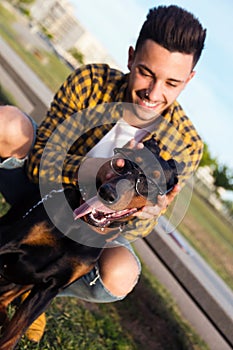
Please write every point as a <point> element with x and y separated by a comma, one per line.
<point>150,104</point>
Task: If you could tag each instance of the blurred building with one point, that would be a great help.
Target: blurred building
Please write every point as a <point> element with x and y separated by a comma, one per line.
<point>57,17</point>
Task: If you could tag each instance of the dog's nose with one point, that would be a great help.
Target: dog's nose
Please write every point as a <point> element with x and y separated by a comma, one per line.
<point>117,192</point>
<point>108,193</point>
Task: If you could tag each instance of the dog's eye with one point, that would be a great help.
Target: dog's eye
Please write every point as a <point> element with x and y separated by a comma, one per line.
<point>154,188</point>
<point>146,187</point>
<point>142,186</point>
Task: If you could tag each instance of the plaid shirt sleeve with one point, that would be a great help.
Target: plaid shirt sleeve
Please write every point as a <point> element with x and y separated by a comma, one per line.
<point>52,154</point>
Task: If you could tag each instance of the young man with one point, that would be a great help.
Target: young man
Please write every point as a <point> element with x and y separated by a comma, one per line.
<point>161,65</point>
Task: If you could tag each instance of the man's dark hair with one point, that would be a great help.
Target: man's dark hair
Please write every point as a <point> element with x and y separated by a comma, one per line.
<point>175,29</point>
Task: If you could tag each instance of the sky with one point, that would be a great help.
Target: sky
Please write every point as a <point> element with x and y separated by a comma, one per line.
<point>207,99</point>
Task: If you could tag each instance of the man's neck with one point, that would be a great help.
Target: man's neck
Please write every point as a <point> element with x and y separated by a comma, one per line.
<point>134,119</point>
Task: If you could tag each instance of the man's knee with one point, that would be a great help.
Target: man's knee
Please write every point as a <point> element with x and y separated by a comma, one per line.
<point>16,133</point>
<point>119,270</point>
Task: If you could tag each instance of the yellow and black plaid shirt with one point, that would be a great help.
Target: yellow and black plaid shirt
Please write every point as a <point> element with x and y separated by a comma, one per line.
<point>78,119</point>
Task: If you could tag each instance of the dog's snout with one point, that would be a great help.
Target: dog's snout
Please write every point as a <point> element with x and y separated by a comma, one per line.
<point>115,191</point>
<point>108,193</point>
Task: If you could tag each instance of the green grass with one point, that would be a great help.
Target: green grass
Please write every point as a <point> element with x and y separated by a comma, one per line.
<point>147,318</point>
<point>52,73</point>
<point>72,325</point>
<point>6,97</point>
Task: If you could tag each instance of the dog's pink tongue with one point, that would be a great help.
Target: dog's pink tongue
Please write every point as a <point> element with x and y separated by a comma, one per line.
<point>89,205</point>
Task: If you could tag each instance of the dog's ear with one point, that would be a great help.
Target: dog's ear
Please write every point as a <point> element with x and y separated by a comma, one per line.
<point>152,146</point>
<point>178,167</point>
<point>32,307</point>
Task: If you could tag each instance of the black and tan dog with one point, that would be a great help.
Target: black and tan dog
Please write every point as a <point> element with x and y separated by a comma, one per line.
<point>37,255</point>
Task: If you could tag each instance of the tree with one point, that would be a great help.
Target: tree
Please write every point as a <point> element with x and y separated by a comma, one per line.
<point>207,160</point>
<point>77,55</point>
<point>223,177</point>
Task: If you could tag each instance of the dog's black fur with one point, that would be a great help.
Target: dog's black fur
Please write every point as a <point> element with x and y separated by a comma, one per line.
<point>35,255</point>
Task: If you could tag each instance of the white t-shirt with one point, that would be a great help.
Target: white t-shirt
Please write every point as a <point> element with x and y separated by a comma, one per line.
<point>118,136</point>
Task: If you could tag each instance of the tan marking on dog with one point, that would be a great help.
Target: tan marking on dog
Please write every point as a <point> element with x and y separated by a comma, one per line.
<point>40,234</point>
<point>156,174</point>
<point>138,160</point>
<point>79,270</point>
<point>11,295</point>
<point>138,202</point>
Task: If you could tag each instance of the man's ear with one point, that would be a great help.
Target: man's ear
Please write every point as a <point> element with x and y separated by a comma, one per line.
<point>130,57</point>
<point>191,75</point>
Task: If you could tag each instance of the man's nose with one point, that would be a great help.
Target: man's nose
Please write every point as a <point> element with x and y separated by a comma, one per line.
<point>155,91</point>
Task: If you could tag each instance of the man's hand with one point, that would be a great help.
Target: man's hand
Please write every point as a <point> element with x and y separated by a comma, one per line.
<point>152,212</point>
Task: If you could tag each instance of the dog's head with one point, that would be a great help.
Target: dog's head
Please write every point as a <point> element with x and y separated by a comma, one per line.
<point>143,176</point>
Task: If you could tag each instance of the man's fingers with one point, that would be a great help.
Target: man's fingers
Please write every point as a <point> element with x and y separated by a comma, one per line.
<point>148,212</point>
<point>162,202</point>
<point>170,196</point>
<point>120,162</point>
<point>143,215</point>
<point>152,212</point>
<point>132,144</point>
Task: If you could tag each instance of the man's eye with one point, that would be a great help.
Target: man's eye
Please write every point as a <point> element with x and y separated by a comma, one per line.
<point>171,84</point>
<point>144,73</point>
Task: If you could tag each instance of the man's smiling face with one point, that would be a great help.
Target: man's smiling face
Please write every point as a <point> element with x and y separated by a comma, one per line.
<point>157,76</point>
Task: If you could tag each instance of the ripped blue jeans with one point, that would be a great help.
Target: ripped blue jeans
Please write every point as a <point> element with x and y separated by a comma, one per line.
<point>90,287</point>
